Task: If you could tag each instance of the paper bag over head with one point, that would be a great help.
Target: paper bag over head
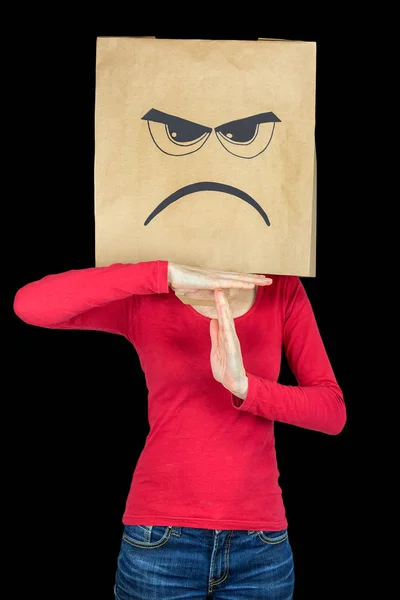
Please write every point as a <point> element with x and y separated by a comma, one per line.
<point>205,154</point>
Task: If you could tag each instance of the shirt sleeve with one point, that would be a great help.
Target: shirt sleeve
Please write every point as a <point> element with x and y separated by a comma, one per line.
<point>98,298</point>
<point>317,401</point>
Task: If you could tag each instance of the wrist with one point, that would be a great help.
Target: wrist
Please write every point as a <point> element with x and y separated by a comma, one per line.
<point>241,390</point>
<point>170,268</point>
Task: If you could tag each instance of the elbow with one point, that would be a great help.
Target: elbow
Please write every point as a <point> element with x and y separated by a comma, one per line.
<point>338,426</point>
<point>23,305</point>
<point>338,423</point>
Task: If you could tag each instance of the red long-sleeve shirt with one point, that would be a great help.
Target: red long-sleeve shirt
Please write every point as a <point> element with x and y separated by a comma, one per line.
<point>209,459</point>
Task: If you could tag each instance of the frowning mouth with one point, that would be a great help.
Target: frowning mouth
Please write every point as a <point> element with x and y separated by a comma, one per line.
<point>207,186</point>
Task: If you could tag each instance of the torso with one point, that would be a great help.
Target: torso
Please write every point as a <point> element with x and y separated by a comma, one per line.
<point>239,306</point>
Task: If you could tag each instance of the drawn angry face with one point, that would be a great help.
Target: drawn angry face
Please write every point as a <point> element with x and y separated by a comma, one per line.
<point>245,138</point>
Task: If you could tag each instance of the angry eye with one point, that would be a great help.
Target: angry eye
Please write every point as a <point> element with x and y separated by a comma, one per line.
<point>175,136</point>
<point>239,132</point>
<point>249,137</point>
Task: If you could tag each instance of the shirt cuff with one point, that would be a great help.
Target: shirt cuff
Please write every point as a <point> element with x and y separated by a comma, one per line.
<point>162,277</point>
<point>252,388</point>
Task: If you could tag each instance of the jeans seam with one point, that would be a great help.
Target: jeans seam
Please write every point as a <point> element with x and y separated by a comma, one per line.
<point>271,541</point>
<point>227,548</point>
<point>146,545</point>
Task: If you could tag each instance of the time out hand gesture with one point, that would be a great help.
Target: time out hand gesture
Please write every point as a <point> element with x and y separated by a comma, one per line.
<point>226,355</point>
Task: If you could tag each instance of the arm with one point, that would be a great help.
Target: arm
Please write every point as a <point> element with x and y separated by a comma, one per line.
<point>96,298</point>
<point>317,402</point>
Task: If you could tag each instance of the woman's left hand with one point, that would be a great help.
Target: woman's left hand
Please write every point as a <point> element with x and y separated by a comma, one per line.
<point>226,355</point>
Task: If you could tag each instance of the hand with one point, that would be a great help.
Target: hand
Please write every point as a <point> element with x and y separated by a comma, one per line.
<point>202,282</point>
<point>226,355</point>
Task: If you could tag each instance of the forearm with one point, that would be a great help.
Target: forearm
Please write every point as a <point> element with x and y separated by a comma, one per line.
<point>318,407</point>
<point>61,297</point>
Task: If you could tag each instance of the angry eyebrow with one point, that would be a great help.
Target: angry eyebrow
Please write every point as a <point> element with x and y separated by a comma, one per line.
<point>266,117</point>
<point>157,116</point>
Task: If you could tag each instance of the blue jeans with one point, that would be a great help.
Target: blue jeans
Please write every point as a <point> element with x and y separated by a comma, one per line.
<point>176,563</point>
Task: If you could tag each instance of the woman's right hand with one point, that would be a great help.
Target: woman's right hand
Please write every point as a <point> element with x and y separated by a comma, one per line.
<point>184,278</point>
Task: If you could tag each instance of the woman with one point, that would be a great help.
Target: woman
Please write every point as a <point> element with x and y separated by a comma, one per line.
<point>204,517</point>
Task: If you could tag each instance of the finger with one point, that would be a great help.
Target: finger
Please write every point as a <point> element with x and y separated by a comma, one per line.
<point>244,276</point>
<point>230,274</point>
<point>215,283</point>
<point>214,271</point>
<point>223,274</point>
<point>214,334</point>
<point>203,294</point>
<point>184,291</point>
<point>212,285</point>
<point>224,313</point>
<point>217,295</point>
<point>251,277</point>
<point>222,303</point>
<point>234,283</point>
<point>227,330</point>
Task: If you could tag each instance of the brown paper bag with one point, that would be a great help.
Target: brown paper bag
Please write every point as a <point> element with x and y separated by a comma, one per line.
<point>205,153</point>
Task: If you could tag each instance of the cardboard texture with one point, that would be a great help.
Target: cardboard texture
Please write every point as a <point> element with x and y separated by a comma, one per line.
<point>205,154</point>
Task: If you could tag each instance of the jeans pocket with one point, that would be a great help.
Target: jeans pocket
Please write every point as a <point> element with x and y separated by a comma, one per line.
<point>146,536</point>
<point>273,537</point>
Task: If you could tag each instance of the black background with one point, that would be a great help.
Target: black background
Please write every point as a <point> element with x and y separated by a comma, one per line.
<point>80,397</point>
